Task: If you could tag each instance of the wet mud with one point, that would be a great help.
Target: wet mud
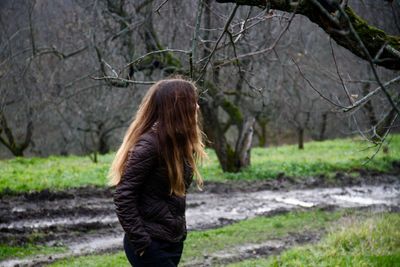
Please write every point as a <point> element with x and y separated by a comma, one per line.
<point>283,182</point>
<point>84,220</point>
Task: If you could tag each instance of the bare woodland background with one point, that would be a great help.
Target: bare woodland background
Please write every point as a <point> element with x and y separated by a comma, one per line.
<point>59,63</point>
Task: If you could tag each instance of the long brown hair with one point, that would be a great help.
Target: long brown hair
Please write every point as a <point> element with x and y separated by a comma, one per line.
<point>171,105</point>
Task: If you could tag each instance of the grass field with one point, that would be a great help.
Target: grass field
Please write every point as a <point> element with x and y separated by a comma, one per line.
<point>27,250</point>
<point>57,173</point>
<point>361,242</point>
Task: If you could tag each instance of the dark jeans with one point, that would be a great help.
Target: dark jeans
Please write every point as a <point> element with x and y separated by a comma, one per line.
<point>160,253</point>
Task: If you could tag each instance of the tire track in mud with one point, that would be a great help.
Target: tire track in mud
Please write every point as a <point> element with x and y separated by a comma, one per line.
<point>85,222</point>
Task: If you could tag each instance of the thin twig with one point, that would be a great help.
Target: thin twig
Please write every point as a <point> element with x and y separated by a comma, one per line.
<point>265,50</point>
<point>193,54</point>
<point>228,22</point>
<point>160,6</point>
<point>234,52</point>
<point>356,105</point>
<point>312,86</point>
<point>377,56</point>
<point>396,22</point>
<point>110,78</point>
<point>242,27</point>
<point>381,141</point>
<point>338,73</point>
<point>326,13</point>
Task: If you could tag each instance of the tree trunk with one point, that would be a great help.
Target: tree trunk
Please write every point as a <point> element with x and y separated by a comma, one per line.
<point>93,157</point>
<point>103,147</point>
<point>17,149</point>
<point>216,135</point>
<point>243,144</point>
<point>321,136</point>
<point>231,160</point>
<point>369,108</point>
<point>300,133</point>
<point>262,131</point>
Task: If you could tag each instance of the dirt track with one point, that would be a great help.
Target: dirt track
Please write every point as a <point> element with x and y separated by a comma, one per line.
<point>85,222</point>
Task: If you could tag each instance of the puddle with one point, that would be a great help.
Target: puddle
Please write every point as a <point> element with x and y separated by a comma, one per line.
<point>295,202</point>
<point>219,208</point>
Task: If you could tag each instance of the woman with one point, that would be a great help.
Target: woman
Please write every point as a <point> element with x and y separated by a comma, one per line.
<point>152,171</point>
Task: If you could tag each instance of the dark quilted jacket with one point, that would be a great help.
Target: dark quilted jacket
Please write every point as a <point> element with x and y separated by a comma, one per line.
<point>143,202</point>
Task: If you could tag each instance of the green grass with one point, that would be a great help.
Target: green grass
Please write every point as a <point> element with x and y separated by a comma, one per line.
<point>358,242</point>
<point>254,230</point>
<point>104,260</point>
<point>57,173</point>
<point>318,158</point>
<point>27,250</point>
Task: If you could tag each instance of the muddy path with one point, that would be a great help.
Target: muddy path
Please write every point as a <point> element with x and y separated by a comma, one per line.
<point>84,220</point>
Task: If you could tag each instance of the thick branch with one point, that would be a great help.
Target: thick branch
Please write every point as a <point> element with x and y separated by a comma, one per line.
<point>337,27</point>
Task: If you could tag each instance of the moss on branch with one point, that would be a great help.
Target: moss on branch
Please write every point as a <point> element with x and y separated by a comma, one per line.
<point>371,35</point>
<point>233,111</point>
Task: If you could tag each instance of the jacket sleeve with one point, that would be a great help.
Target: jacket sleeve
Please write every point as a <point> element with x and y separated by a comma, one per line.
<point>138,165</point>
